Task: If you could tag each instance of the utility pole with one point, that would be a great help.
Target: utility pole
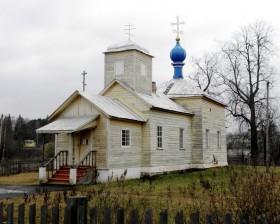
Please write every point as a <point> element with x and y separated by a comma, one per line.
<point>267,127</point>
<point>4,141</point>
<point>1,128</point>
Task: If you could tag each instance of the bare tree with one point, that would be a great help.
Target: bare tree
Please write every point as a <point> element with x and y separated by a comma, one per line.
<point>205,72</point>
<point>247,68</point>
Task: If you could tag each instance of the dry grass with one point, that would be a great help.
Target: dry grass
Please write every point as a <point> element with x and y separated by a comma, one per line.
<point>235,189</point>
<point>20,179</point>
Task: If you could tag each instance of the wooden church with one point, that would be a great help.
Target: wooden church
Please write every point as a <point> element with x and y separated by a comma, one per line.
<point>133,127</point>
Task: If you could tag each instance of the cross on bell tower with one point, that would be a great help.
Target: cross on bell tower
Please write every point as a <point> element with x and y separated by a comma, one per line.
<point>177,30</point>
<point>129,28</point>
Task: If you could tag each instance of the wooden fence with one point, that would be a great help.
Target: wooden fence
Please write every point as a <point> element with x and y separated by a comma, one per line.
<point>76,211</point>
<point>15,167</point>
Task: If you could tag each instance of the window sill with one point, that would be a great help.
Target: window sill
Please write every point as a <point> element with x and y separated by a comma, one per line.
<point>183,149</point>
<point>125,147</point>
<point>159,148</point>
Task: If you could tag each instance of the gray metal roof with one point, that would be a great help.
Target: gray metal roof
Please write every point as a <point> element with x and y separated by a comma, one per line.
<point>67,124</point>
<point>176,88</point>
<point>112,107</point>
<point>161,101</point>
<point>127,45</point>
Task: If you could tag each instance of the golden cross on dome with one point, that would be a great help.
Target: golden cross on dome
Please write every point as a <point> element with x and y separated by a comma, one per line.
<point>177,30</point>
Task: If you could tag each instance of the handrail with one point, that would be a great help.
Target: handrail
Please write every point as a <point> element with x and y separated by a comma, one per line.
<point>57,155</point>
<point>88,160</point>
<point>60,159</point>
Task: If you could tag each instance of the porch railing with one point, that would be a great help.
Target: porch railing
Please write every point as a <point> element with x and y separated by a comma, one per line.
<point>89,160</point>
<point>60,159</point>
<point>89,164</point>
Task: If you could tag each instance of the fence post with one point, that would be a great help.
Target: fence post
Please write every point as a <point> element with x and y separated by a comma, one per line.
<point>67,214</point>
<point>32,214</point>
<point>44,214</point>
<point>55,214</point>
<point>42,175</point>
<point>149,216</point>
<point>163,217</point>
<point>107,216</point>
<point>1,212</point>
<point>81,219</point>
<point>211,218</point>
<point>228,218</point>
<point>93,215</point>
<point>20,213</point>
<point>10,213</point>
<point>179,218</point>
<point>195,218</point>
<point>73,203</point>
<point>262,219</point>
<point>244,219</point>
<point>120,216</point>
<point>134,216</point>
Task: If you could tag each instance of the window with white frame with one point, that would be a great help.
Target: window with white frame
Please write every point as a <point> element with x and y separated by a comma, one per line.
<point>181,138</point>
<point>207,138</point>
<point>218,139</point>
<point>125,137</point>
<point>159,136</point>
<point>118,68</point>
<point>143,69</point>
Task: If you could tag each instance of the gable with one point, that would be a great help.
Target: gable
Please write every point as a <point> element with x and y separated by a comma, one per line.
<point>79,107</point>
<point>117,91</point>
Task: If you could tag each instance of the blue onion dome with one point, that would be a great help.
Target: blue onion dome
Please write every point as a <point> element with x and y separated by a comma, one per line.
<point>178,54</point>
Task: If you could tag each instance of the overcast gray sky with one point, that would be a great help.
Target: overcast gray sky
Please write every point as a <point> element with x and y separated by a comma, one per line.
<point>45,45</point>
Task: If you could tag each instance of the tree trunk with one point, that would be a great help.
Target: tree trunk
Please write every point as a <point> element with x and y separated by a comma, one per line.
<point>254,138</point>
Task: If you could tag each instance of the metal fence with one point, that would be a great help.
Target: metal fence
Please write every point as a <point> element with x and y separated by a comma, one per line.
<point>15,167</point>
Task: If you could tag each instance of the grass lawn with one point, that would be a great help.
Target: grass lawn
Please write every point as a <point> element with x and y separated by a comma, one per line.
<point>20,179</point>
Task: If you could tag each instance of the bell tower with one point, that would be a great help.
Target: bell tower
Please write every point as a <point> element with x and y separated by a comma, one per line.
<point>131,64</point>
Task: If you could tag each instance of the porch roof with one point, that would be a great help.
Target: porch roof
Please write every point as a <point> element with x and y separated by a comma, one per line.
<point>69,124</point>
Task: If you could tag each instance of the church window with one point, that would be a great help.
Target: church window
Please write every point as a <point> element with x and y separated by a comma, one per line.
<point>125,137</point>
<point>181,138</point>
<point>218,139</point>
<point>143,69</point>
<point>159,136</point>
<point>207,138</point>
<point>119,68</point>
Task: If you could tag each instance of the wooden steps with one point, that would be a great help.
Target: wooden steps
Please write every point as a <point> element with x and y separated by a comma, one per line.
<point>61,176</point>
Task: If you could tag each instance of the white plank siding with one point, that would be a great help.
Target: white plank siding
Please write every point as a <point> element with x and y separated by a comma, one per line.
<point>62,142</point>
<point>119,92</point>
<point>194,104</point>
<point>208,115</point>
<point>213,119</point>
<point>132,69</point>
<point>82,107</point>
<point>170,155</point>
<point>125,156</point>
